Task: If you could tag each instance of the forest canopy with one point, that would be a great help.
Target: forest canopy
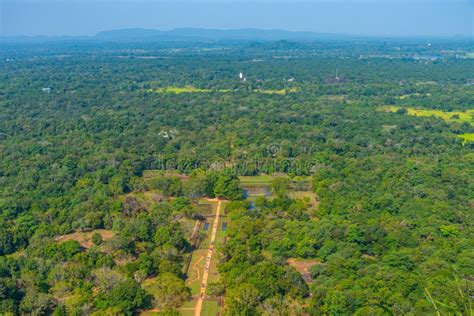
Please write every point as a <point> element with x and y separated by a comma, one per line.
<point>346,171</point>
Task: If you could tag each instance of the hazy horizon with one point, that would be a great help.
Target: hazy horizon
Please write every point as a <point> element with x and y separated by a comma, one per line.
<point>354,17</point>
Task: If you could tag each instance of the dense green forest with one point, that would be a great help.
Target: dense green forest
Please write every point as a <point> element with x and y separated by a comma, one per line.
<point>82,123</point>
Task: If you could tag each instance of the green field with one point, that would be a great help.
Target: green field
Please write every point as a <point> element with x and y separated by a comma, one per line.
<point>187,309</point>
<point>470,55</point>
<point>467,137</point>
<point>262,180</point>
<point>191,89</point>
<point>447,116</point>
<point>210,308</point>
<point>427,83</point>
<point>406,96</point>
<point>187,312</point>
<point>279,92</point>
<point>186,89</point>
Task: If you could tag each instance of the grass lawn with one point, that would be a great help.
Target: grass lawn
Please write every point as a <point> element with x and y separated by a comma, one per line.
<point>196,268</point>
<point>219,241</point>
<point>213,270</point>
<point>218,244</point>
<point>189,304</point>
<point>187,308</point>
<point>187,312</point>
<point>194,278</point>
<point>260,180</point>
<point>210,308</point>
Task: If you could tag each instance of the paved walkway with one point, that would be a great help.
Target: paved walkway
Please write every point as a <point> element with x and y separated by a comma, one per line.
<point>210,251</point>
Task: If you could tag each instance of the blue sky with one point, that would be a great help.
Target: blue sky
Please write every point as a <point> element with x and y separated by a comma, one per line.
<point>361,17</point>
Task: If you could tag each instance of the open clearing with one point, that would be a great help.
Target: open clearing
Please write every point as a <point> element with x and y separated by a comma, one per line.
<point>210,308</point>
<point>186,89</point>
<point>406,96</point>
<point>260,180</point>
<point>303,266</point>
<point>252,181</point>
<point>256,186</point>
<point>467,137</point>
<point>155,174</point>
<point>279,92</point>
<point>305,194</point>
<point>452,117</point>
<point>191,89</point>
<point>85,238</point>
<point>259,186</point>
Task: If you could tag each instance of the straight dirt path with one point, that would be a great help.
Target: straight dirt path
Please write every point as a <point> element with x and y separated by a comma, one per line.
<point>210,251</point>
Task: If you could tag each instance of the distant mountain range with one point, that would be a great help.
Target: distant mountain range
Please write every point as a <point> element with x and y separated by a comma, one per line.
<point>189,34</point>
<point>196,34</point>
<point>183,34</point>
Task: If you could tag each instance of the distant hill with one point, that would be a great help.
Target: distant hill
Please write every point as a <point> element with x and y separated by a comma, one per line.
<point>199,35</point>
<point>180,35</point>
<point>195,34</point>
